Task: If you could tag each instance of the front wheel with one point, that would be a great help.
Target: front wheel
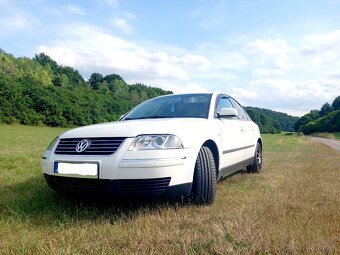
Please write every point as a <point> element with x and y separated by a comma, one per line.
<point>256,165</point>
<point>204,183</point>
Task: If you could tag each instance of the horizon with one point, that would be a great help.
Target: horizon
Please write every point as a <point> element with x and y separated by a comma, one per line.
<point>279,56</point>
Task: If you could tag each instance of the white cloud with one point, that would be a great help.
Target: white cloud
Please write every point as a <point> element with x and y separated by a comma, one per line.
<point>195,60</point>
<point>321,49</point>
<point>191,88</point>
<point>276,52</point>
<point>290,96</point>
<point>123,25</point>
<point>242,93</point>
<point>230,60</point>
<point>286,88</point>
<point>277,57</point>
<point>328,39</point>
<point>296,78</point>
<point>89,48</point>
<point>291,111</point>
<point>263,72</point>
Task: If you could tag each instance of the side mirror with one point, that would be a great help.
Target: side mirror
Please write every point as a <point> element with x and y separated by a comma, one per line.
<point>227,112</point>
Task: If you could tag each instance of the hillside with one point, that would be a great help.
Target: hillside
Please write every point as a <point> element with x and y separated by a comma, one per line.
<point>271,121</point>
<point>325,120</point>
<point>38,91</point>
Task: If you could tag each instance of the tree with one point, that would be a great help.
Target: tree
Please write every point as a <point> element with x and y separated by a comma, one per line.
<point>305,119</point>
<point>325,109</point>
<point>327,123</point>
<point>60,72</point>
<point>95,80</point>
<point>336,103</point>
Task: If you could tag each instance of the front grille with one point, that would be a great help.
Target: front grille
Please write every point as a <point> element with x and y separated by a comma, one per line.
<point>98,146</point>
<point>126,187</point>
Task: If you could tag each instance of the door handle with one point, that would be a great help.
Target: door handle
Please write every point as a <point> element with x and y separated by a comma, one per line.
<point>241,129</point>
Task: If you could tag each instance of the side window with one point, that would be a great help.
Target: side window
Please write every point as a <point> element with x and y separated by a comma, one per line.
<point>224,102</point>
<point>241,114</point>
<point>248,117</point>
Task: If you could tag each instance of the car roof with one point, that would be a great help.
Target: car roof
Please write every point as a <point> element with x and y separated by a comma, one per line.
<point>215,93</point>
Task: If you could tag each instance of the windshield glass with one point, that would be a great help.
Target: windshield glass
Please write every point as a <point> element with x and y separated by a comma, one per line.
<point>174,106</point>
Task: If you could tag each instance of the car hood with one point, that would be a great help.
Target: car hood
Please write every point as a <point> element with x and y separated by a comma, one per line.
<point>133,128</point>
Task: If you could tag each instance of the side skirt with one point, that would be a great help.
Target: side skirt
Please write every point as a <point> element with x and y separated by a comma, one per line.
<point>229,170</point>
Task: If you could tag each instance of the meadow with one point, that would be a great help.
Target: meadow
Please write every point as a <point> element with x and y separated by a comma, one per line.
<point>291,207</point>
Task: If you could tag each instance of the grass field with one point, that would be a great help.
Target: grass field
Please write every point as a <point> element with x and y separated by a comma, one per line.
<point>337,135</point>
<point>292,207</point>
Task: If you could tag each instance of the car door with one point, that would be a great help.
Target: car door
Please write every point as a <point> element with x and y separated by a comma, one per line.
<point>247,128</point>
<point>232,139</point>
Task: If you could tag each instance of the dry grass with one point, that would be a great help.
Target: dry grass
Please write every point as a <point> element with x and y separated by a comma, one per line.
<point>335,135</point>
<point>292,207</point>
<point>324,135</point>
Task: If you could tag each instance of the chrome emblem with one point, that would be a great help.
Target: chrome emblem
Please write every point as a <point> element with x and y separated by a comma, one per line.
<point>82,145</point>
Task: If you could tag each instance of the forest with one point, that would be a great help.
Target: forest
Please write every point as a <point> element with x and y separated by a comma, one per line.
<point>39,91</point>
<point>271,121</point>
<point>325,120</point>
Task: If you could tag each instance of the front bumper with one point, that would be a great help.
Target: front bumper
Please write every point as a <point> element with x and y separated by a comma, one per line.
<point>155,173</point>
<point>131,188</point>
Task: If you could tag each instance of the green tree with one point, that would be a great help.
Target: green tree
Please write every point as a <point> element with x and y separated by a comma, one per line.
<point>95,80</point>
<point>336,103</point>
<point>327,123</point>
<point>325,109</point>
<point>305,119</point>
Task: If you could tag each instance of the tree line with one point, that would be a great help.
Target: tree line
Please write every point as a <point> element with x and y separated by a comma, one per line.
<point>327,119</point>
<point>39,91</point>
<point>271,121</point>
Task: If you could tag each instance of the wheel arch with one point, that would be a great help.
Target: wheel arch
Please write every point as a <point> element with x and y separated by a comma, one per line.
<point>214,149</point>
<point>260,142</point>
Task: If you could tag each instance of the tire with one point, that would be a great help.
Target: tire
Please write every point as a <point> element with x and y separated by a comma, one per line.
<point>204,182</point>
<point>256,165</point>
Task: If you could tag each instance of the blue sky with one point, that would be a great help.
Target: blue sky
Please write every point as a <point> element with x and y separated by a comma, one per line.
<point>282,55</point>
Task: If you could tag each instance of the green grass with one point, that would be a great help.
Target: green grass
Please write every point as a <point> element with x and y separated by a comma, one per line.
<point>292,207</point>
<point>337,135</point>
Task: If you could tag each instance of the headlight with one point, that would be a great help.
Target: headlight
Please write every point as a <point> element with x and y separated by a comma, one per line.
<point>50,147</point>
<point>156,142</point>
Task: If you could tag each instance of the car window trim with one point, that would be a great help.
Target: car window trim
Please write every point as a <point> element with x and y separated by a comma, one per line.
<point>244,111</point>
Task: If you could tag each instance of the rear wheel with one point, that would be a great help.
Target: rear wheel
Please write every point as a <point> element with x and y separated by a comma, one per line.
<point>256,165</point>
<point>204,183</point>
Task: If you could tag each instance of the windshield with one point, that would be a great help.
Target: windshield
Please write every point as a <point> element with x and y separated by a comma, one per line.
<point>174,106</point>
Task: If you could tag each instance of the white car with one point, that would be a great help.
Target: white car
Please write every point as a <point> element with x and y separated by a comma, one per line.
<point>169,146</point>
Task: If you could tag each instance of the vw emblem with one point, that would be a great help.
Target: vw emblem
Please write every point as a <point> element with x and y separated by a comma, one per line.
<point>82,145</point>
